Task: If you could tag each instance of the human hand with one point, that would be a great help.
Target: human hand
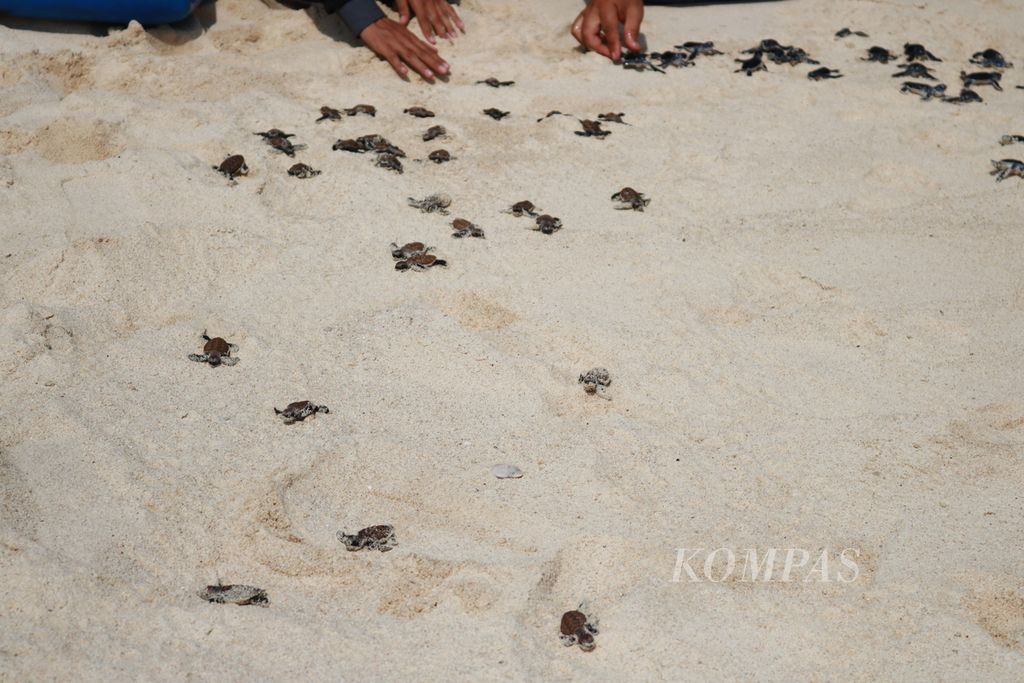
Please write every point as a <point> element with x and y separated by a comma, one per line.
<point>597,26</point>
<point>437,17</point>
<point>394,42</point>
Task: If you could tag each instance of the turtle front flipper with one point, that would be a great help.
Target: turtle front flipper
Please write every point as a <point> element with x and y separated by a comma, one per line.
<point>199,358</point>
<point>228,360</point>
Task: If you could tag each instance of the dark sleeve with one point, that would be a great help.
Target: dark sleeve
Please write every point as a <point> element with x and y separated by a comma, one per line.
<point>357,14</point>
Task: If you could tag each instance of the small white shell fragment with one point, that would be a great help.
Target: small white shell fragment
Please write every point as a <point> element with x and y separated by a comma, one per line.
<point>506,472</point>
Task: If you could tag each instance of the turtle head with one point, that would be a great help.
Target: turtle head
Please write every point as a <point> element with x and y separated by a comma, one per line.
<point>213,358</point>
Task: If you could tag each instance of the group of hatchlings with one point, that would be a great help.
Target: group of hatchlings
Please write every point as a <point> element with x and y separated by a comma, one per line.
<point>575,628</point>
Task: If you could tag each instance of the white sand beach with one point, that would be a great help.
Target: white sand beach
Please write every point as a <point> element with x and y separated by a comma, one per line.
<point>814,333</point>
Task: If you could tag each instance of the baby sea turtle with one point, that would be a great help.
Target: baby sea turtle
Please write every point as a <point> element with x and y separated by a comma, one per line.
<point>790,55</point>
<point>348,146</point>
<point>440,156</point>
<point>916,52</point>
<point>576,629</point>
<point>390,162</point>
<point>879,54</point>
<point>982,78</point>
<point>366,109</point>
<point>1011,139</point>
<point>303,171</point>
<point>299,411</point>
<point>639,61</point>
<point>766,45</point>
<point>629,198</point>
<point>844,32</point>
<point>380,537</point>
<point>435,203</point>
<point>548,224</point>
<point>966,96</point>
<point>275,133</point>
<point>216,351</point>
<point>463,228</point>
<point>752,65</point>
<point>824,73</point>
<point>698,48</point>
<point>408,250</point>
<point>235,594</point>
<point>612,117</point>
<point>434,132</point>
<point>596,381</point>
<point>496,114</point>
<point>280,143</point>
<point>419,112</point>
<point>592,129</point>
<point>524,207</point>
<point>329,114</point>
<point>553,112</point>
<point>915,70</point>
<point>386,147</point>
<point>495,83</point>
<point>233,166</point>
<point>1005,168</point>
<point>420,262</point>
<point>924,90</point>
<point>669,58</point>
<point>991,59</point>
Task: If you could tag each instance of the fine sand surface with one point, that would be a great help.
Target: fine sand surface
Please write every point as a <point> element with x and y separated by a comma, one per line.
<point>814,332</point>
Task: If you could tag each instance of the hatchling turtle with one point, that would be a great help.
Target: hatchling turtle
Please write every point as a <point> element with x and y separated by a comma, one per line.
<point>420,262</point>
<point>233,166</point>
<point>495,83</point>
<point>216,351</point>
<point>766,45</point>
<point>275,133</point>
<point>924,90</point>
<point>524,207</point>
<point>303,171</point>
<point>966,96</point>
<point>435,203</point>
<point>496,114</point>
<point>348,146</point>
<point>845,32</point>
<point>824,73</point>
<point>991,59</point>
<point>629,198</point>
<point>612,117</point>
<point>390,162</point>
<point>329,114</point>
<point>879,54</point>
<point>1011,139</point>
<point>366,109</point>
<point>408,250</point>
<point>379,537</point>
<point>434,132</point>
<point>790,55</point>
<point>440,156</point>
<point>1005,168</point>
<point>752,65</point>
<point>697,48</point>
<point>915,70</point>
<point>235,594</point>
<point>576,629</point>
<point>463,228</point>
<point>596,381</point>
<point>639,61</point>
<point>592,129</point>
<point>547,224</point>
<point>419,112</point>
<point>982,78</point>
<point>299,411</point>
<point>669,58</point>
<point>916,52</point>
<point>386,147</point>
<point>553,112</point>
